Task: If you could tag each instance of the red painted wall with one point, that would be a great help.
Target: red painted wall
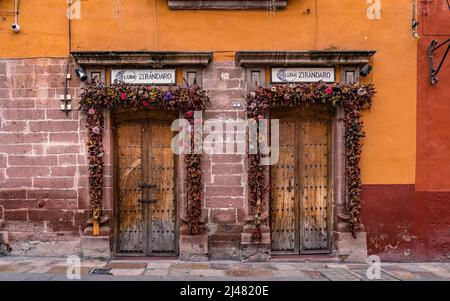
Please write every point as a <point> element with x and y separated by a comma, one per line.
<point>432,202</point>
<point>412,222</point>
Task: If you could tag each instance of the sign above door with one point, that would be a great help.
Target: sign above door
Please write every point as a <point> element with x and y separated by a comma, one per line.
<point>302,75</point>
<point>144,76</point>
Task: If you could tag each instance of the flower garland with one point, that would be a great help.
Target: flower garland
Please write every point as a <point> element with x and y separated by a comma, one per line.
<point>96,98</point>
<point>354,98</point>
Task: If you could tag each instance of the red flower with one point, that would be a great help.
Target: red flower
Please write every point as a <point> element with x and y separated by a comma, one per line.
<point>123,96</point>
<point>260,117</point>
<point>329,90</point>
<point>189,114</point>
<point>145,104</point>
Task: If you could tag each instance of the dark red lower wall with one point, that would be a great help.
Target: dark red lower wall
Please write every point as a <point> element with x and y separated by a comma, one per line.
<point>403,224</point>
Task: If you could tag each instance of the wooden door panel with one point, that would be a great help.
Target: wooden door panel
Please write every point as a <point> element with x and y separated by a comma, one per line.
<point>146,187</point>
<point>282,189</point>
<point>300,184</point>
<point>315,184</point>
<point>131,230</point>
<point>162,174</point>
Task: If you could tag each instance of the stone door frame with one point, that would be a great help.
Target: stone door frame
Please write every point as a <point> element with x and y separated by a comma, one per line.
<point>344,245</point>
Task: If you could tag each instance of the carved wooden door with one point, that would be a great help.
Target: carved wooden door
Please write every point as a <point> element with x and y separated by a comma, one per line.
<point>300,184</point>
<point>146,188</point>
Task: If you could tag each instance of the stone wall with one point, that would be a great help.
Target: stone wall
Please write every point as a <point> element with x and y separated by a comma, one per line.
<point>225,175</point>
<point>43,171</point>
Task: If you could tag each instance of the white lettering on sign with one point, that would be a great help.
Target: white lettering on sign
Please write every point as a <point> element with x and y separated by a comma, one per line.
<point>302,75</point>
<point>144,76</point>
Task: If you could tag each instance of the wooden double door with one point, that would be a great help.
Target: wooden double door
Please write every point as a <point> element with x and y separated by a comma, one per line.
<point>146,185</point>
<point>301,183</point>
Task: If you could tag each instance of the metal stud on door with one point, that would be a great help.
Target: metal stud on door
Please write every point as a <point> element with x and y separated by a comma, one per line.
<point>147,198</point>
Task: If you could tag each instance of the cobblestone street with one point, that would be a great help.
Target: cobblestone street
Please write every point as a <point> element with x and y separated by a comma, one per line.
<point>55,269</point>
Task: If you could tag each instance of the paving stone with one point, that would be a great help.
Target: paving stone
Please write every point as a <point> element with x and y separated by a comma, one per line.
<point>416,276</point>
<point>239,272</point>
<point>7,268</point>
<point>58,269</point>
<point>384,276</point>
<point>4,262</point>
<point>91,277</point>
<point>308,266</point>
<point>439,271</point>
<point>337,266</point>
<point>17,267</point>
<point>339,275</point>
<point>156,272</point>
<point>285,267</point>
<point>219,266</point>
<point>178,272</point>
<point>38,277</point>
<point>316,275</point>
<point>402,267</point>
<point>93,263</point>
<point>55,269</point>
<point>208,273</point>
<point>42,263</point>
<point>159,265</point>
<point>127,272</point>
<point>357,265</point>
<point>445,265</point>
<point>264,265</point>
<point>40,269</point>
<point>289,274</point>
<point>126,265</point>
<point>62,277</point>
<point>195,265</point>
<point>13,276</point>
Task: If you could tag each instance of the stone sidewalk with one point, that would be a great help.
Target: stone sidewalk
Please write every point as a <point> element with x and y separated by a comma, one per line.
<point>55,269</point>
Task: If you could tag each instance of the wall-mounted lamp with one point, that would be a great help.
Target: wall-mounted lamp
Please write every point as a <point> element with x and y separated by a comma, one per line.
<point>15,26</point>
<point>434,71</point>
<point>81,73</point>
<point>365,70</point>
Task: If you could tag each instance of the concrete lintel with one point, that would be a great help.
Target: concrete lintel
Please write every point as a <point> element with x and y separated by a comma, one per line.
<point>227,4</point>
<point>303,58</point>
<point>155,59</point>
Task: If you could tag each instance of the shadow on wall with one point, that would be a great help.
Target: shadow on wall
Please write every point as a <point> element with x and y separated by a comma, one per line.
<point>4,240</point>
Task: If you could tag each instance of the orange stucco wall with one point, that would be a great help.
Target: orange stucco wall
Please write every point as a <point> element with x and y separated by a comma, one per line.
<point>389,152</point>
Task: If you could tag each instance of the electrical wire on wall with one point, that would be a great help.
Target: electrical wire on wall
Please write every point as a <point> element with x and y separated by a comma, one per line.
<point>16,11</point>
<point>155,24</point>
<point>15,26</point>
<point>414,22</point>
<point>67,74</point>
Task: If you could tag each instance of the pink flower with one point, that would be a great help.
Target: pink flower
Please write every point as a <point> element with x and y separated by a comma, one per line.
<point>91,111</point>
<point>145,104</point>
<point>96,130</point>
<point>189,114</point>
<point>362,91</point>
<point>123,96</point>
<point>252,94</point>
<point>260,117</point>
<point>329,90</point>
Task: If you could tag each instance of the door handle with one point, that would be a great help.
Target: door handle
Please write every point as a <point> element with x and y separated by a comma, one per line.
<point>147,186</point>
<point>147,201</point>
<point>290,186</point>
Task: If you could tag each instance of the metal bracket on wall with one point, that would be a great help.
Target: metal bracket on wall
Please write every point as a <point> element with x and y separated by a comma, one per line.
<point>433,71</point>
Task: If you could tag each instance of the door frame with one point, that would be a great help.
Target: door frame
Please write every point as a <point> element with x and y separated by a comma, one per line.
<point>296,113</point>
<point>141,116</point>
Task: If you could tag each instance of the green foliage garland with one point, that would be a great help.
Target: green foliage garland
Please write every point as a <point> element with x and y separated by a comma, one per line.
<point>354,98</point>
<point>97,98</point>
